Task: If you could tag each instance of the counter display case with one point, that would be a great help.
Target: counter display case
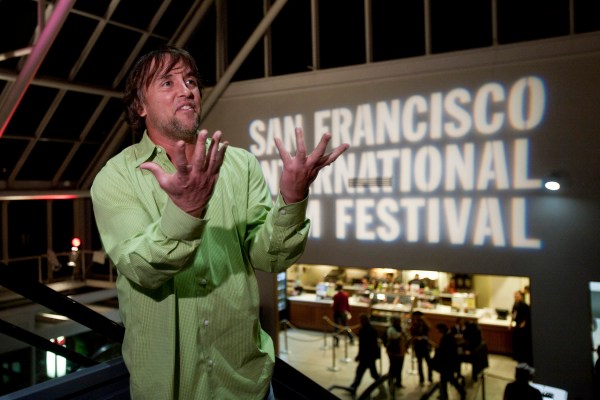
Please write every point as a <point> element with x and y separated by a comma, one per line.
<point>307,311</point>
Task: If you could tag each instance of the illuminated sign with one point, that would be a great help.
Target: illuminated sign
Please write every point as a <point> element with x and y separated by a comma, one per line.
<point>449,167</point>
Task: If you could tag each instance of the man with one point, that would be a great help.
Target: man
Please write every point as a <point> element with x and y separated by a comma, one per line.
<point>520,324</point>
<point>368,352</point>
<point>396,346</point>
<point>341,312</point>
<point>186,219</point>
<point>447,363</point>
<point>417,281</point>
<point>419,333</point>
<point>520,388</point>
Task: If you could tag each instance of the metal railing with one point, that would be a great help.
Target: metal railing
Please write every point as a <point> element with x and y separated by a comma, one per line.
<point>108,379</point>
<point>55,267</point>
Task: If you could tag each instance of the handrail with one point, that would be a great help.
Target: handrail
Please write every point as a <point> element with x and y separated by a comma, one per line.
<point>81,267</point>
<point>44,344</point>
<point>14,280</point>
<point>288,382</point>
<point>107,380</point>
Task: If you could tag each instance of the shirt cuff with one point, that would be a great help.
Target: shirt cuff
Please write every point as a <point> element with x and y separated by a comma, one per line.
<point>289,214</point>
<point>178,225</point>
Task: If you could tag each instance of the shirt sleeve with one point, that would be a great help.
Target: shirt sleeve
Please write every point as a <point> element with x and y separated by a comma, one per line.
<point>276,240</point>
<point>147,249</point>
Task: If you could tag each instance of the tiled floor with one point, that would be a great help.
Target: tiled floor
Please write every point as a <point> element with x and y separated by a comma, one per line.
<point>311,353</point>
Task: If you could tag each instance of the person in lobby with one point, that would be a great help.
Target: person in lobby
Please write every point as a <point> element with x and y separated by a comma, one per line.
<point>417,281</point>
<point>521,330</point>
<point>419,336</point>
<point>520,388</point>
<point>186,219</point>
<point>446,362</point>
<point>396,346</point>
<point>341,313</point>
<point>368,351</point>
<point>471,335</point>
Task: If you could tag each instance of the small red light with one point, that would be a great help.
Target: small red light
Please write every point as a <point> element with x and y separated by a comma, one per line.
<point>76,242</point>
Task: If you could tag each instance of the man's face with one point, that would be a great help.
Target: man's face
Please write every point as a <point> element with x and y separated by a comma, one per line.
<point>171,104</point>
<point>518,297</point>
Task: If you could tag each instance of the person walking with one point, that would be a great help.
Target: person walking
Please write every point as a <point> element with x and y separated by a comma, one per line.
<point>419,336</point>
<point>446,362</point>
<point>368,351</point>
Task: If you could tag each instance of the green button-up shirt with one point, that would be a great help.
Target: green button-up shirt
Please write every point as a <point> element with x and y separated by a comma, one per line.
<point>188,295</point>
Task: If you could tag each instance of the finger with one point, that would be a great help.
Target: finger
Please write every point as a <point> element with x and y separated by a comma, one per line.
<point>283,154</point>
<point>200,150</point>
<point>337,152</point>
<point>179,158</point>
<point>156,170</point>
<point>300,145</point>
<point>329,158</point>
<point>219,157</point>
<point>213,151</point>
<point>319,151</point>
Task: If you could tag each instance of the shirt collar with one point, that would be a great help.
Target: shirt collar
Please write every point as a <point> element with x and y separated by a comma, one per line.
<point>146,150</point>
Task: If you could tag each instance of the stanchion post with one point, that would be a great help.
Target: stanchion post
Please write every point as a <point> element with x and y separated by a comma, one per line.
<point>333,367</point>
<point>380,357</point>
<point>324,347</point>
<point>346,359</point>
<point>285,338</point>
<point>482,386</point>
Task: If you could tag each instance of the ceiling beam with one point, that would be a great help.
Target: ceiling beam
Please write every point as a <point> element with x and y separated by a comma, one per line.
<point>239,59</point>
<point>33,62</point>
<point>62,84</point>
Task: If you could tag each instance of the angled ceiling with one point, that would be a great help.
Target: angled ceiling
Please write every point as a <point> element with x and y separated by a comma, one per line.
<point>62,70</point>
<point>63,63</point>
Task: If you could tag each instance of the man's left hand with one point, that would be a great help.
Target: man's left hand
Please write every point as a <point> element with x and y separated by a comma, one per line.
<point>301,170</point>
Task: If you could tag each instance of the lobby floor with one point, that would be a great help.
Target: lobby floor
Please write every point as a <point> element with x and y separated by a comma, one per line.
<point>312,354</point>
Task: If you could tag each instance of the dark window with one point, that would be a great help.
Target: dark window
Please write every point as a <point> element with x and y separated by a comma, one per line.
<point>243,18</point>
<point>587,14</point>
<point>342,33</point>
<point>398,29</point>
<point>520,20</point>
<point>291,39</point>
<point>27,227</point>
<point>62,225</point>
<point>460,25</point>
<point>203,47</point>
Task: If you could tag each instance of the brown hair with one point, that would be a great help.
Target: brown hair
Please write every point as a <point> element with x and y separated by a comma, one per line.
<point>143,73</point>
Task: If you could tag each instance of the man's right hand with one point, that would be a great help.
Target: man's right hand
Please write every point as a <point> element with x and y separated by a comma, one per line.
<point>191,186</point>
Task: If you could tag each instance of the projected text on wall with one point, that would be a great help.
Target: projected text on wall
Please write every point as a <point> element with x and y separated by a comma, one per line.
<point>444,167</point>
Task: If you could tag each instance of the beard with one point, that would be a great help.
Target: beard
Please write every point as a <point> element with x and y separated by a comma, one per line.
<point>178,130</point>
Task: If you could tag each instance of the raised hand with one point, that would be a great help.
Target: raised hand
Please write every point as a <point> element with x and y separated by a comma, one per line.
<point>191,186</point>
<point>301,170</point>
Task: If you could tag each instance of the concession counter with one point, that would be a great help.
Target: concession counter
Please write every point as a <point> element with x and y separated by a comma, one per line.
<point>307,311</point>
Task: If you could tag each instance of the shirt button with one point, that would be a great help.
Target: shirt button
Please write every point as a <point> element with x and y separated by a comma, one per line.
<point>205,323</point>
<point>203,282</point>
<point>282,212</point>
<point>211,363</point>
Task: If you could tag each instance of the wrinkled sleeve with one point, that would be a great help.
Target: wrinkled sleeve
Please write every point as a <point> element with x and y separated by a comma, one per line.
<point>277,231</point>
<point>147,246</point>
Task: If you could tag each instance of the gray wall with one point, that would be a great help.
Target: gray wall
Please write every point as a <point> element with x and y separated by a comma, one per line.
<point>524,110</point>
